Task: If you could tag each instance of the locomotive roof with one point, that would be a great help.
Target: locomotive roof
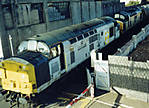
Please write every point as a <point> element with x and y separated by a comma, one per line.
<point>131,12</point>
<point>69,32</point>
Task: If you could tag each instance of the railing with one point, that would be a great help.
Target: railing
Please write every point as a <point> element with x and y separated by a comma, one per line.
<point>132,44</point>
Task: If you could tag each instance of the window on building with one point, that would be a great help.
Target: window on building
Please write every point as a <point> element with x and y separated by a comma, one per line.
<point>58,10</point>
<point>7,16</point>
<point>37,13</point>
<point>28,14</point>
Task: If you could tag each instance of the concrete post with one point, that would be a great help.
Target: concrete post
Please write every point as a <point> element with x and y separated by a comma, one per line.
<point>45,10</point>
<point>134,41</point>
<point>119,50</point>
<point>3,36</point>
<point>144,33</point>
<point>143,30</point>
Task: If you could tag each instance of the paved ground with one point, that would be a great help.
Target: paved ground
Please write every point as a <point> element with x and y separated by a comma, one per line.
<point>4,104</point>
<point>110,100</point>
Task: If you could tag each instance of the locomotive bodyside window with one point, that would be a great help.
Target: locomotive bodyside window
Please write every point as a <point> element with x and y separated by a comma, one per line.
<point>80,37</point>
<point>86,35</point>
<point>95,31</point>
<point>91,32</point>
<point>73,40</point>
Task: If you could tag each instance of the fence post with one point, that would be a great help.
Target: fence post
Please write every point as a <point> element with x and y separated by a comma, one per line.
<point>134,41</point>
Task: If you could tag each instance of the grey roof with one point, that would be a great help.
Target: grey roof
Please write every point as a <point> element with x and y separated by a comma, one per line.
<point>72,31</point>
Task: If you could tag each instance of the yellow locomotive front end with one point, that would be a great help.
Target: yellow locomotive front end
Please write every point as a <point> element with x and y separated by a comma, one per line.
<point>18,75</point>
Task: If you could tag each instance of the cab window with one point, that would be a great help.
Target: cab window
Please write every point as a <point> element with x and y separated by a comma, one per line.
<point>53,52</point>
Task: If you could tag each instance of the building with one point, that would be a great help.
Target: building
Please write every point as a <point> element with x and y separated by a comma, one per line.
<point>24,18</point>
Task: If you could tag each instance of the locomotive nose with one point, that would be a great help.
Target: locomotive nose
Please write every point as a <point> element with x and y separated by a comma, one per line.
<point>16,76</point>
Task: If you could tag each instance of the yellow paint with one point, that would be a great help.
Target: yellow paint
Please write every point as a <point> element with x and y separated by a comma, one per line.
<point>121,25</point>
<point>65,62</point>
<point>18,77</point>
<point>106,38</point>
<point>71,48</point>
<point>84,102</point>
<point>62,98</point>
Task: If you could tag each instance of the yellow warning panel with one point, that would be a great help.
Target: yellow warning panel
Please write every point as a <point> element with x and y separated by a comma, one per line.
<point>106,38</point>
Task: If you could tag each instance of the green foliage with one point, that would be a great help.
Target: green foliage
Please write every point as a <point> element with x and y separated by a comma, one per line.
<point>131,3</point>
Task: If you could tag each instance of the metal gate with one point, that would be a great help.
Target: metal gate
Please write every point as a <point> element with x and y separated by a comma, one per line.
<point>102,75</point>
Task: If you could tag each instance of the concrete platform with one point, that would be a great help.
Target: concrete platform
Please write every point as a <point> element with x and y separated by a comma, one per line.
<point>110,100</point>
<point>3,104</point>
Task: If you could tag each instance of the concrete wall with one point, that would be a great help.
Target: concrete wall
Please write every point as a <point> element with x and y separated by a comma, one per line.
<point>76,12</point>
<point>22,20</point>
<point>131,78</point>
<point>132,44</point>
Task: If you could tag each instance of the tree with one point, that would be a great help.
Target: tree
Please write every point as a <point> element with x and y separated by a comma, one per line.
<point>131,3</point>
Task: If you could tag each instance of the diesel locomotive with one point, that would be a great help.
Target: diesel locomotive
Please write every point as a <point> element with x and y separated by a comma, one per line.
<point>46,57</point>
<point>129,18</point>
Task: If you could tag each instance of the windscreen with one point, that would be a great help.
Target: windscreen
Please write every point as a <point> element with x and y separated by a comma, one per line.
<point>33,45</point>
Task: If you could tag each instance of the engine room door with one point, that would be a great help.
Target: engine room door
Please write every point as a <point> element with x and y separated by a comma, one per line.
<point>102,75</point>
<point>54,65</point>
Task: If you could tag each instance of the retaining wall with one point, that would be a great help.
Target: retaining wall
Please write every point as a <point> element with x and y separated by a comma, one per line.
<point>132,44</point>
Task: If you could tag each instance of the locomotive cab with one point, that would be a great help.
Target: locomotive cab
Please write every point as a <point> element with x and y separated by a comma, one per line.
<point>122,18</point>
<point>17,75</point>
